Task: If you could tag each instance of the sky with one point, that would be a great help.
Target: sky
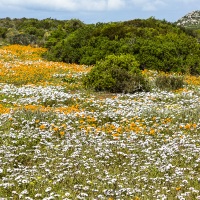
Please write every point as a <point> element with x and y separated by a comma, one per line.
<point>93,11</point>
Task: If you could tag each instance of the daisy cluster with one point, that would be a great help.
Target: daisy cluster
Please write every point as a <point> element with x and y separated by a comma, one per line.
<point>143,145</point>
<point>58,143</point>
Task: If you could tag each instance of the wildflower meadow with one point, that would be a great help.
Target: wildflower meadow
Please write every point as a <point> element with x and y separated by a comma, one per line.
<point>61,141</point>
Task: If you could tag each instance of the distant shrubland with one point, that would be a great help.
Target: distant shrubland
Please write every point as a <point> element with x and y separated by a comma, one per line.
<point>155,44</point>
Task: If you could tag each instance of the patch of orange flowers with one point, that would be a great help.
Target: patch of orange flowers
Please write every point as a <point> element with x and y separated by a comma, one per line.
<point>24,65</point>
<point>193,80</point>
<point>3,109</point>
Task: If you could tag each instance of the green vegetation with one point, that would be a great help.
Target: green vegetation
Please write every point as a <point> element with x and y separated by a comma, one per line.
<point>117,74</point>
<point>169,82</point>
<point>156,44</point>
<point>35,32</point>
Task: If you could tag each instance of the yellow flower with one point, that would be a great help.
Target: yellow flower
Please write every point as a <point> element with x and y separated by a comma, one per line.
<point>187,126</point>
<point>62,133</point>
<point>152,131</point>
<point>64,125</point>
<point>132,126</point>
<point>42,127</point>
<point>194,125</point>
<point>56,129</point>
<point>115,135</point>
<point>119,129</point>
<point>178,188</point>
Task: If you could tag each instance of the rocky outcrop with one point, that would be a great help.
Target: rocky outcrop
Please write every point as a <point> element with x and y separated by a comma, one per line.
<point>192,19</point>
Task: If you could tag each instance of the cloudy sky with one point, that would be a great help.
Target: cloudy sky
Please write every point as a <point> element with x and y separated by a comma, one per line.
<point>93,11</point>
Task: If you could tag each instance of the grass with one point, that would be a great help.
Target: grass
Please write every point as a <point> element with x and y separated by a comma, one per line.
<point>61,142</point>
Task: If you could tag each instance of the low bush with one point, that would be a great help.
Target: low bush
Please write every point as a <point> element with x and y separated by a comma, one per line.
<point>117,73</point>
<point>169,82</point>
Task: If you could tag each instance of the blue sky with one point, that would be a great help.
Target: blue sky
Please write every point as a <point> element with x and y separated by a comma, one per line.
<point>93,11</point>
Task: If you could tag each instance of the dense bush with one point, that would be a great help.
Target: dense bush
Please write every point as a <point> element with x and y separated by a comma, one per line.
<point>23,39</point>
<point>170,53</point>
<point>3,32</point>
<point>157,45</point>
<point>116,74</point>
<point>69,49</point>
<point>47,32</point>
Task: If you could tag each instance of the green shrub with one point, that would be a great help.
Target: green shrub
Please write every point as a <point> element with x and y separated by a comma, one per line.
<point>169,82</point>
<point>172,52</point>
<point>116,74</point>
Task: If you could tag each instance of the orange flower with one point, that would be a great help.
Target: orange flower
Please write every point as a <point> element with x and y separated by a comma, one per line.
<point>194,125</point>
<point>187,126</point>
<point>56,129</point>
<point>42,127</point>
<point>115,135</point>
<point>34,69</point>
<point>132,126</point>
<point>119,129</point>
<point>62,133</point>
<point>178,188</point>
<point>152,131</point>
<point>64,125</point>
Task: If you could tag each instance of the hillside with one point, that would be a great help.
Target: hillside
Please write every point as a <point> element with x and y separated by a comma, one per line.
<point>156,44</point>
<point>191,20</point>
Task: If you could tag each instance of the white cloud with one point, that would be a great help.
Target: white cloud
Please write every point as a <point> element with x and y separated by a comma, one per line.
<point>187,1</point>
<point>149,5</point>
<point>66,5</point>
<point>94,5</point>
<point>116,4</point>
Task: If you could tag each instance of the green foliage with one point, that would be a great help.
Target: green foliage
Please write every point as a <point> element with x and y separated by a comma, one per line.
<point>55,36</point>
<point>47,32</point>
<point>69,49</point>
<point>116,74</point>
<point>156,44</point>
<point>112,31</point>
<point>170,52</point>
<point>169,82</point>
<point>72,25</point>
<point>98,48</point>
<point>35,31</point>
<point>23,39</point>
<point>3,32</point>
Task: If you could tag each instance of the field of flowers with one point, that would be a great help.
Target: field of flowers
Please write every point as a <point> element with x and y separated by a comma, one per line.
<point>58,141</point>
